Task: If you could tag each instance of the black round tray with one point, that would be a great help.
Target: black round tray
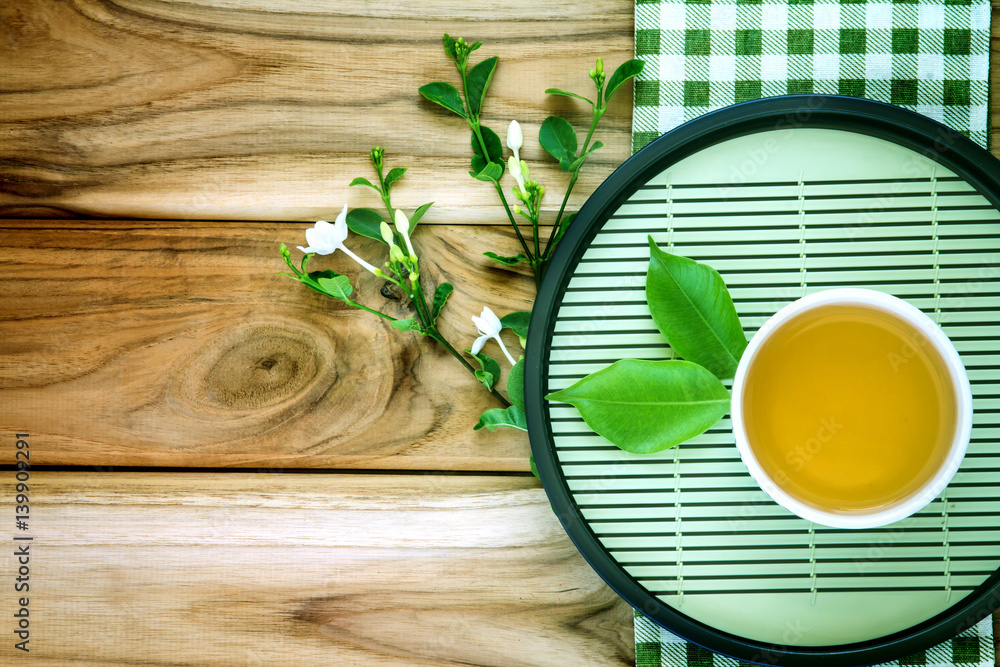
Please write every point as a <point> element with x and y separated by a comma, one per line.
<point>961,163</point>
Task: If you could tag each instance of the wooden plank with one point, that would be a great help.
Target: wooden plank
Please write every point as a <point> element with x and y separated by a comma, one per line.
<point>333,569</point>
<point>177,345</point>
<point>266,111</point>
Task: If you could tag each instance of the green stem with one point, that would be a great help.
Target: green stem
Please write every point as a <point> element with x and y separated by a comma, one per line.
<point>559,217</point>
<point>595,119</point>
<point>422,300</point>
<point>436,335</point>
<point>418,307</point>
<point>517,230</point>
<point>371,310</point>
<point>474,124</point>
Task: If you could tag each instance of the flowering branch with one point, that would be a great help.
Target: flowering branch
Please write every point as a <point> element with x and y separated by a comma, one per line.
<point>556,136</point>
<point>401,269</point>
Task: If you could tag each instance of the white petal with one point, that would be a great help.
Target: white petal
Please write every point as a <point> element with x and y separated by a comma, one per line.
<point>478,344</point>
<point>480,326</point>
<point>316,241</point>
<point>318,251</point>
<point>340,227</point>
<point>492,321</point>
<point>323,234</point>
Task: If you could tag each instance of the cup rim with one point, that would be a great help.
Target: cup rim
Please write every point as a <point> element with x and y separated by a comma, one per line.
<point>960,384</point>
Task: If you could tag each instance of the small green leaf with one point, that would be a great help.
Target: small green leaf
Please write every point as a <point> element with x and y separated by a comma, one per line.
<point>337,286</point>
<point>491,172</point>
<point>577,163</point>
<point>556,91</point>
<point>445,94</point>
<point>693,310</point>
<point>364,181</point>
<point>515,384</point>
<point>563,226</point>
<point>477,82</point>
<point>625,71</point>
<point>517,322</point>
<point>507,261</point>
<point>394,175</point>
<point>441,295</point>
<point>494,150</point>
<point>365,221</point>
<point>512,417</point>
<point>474,46</point>
<point>419,213</point>
<point>409,324</point>
<point>490,369</point>
<point>449,46</point>
<point>648,406</point>
<point>558,138</point>
<point>534,468</point>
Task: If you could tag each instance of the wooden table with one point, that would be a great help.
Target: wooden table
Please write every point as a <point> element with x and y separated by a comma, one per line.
<point>228,468</point>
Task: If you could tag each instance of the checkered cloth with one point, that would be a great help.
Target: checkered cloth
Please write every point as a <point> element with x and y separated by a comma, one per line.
<point>929,56</point>
<point>656,647</point>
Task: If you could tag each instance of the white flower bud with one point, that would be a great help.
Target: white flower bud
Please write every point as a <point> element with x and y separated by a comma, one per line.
<point>386,232</point>
<point>515,139</point>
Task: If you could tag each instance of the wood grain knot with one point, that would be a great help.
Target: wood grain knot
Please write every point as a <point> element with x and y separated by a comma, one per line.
<point>264,367</point>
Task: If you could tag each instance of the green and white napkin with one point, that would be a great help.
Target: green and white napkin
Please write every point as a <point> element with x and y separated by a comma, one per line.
<point>929,56</point>
<point>656,647</point>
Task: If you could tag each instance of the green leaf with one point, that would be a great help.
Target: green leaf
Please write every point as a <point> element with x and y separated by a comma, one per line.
<point>534,468</point>
<point>474,46</point>
<point>449,46</point>
<point>364,181</point>
<point>409,324</point>
<point>556,91</point>
<point>441,295</point>
<point>648,406</point>
<point>577,163</point>
<point>563,226</point>
<point>365,221</point>
<point>558,138</point>
<point>515,384</point>
<point>477,82</point>
<point>507,261</point>
<point>692,308</point>
<point>337,286</point>
<point>394,175</point>
<point>494,150</point>
<point>512,417</point>
<point>489,371</point>
<point>445,94</point>
<point>517,322</point>
<point>625,71</point>
<point>491,172</point>
<point>419,213</point>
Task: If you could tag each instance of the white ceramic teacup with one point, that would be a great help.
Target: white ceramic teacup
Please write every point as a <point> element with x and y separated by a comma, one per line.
<point>907,314</point>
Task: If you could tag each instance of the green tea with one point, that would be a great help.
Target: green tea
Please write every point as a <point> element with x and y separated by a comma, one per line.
<point>849,408</point>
